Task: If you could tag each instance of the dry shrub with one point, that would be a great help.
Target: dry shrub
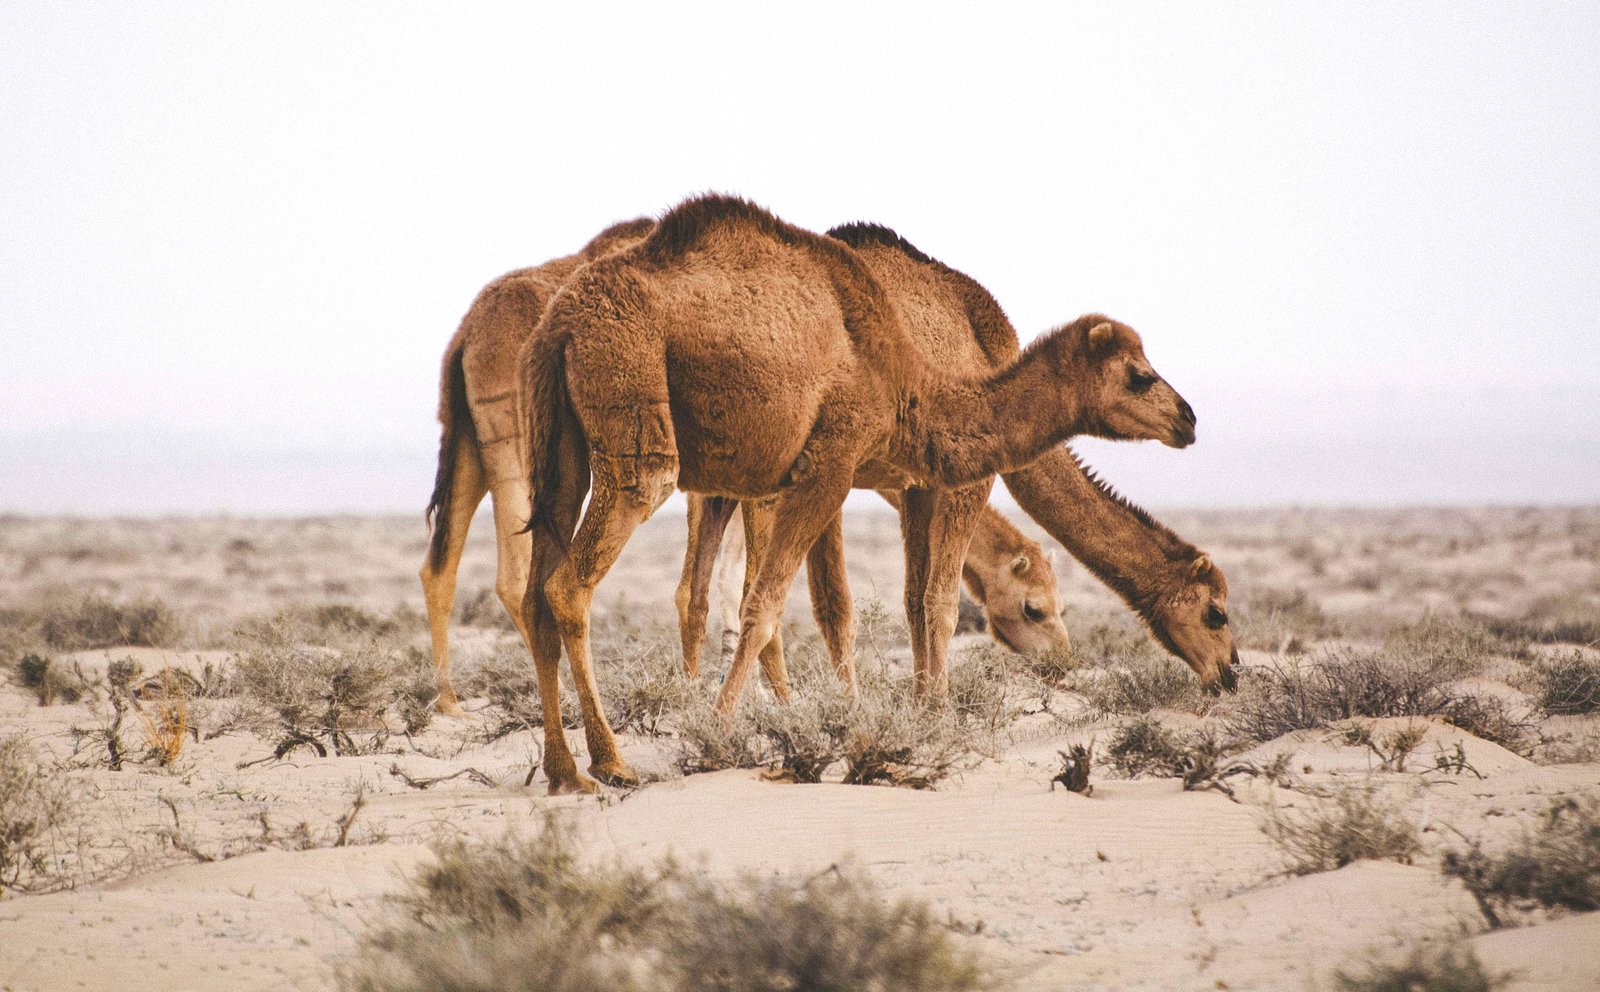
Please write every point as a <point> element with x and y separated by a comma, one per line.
<point>1568,685</point>
<point>1285,622</point>
<point>164,717</point>
<point>529,914</point>
<point>1145,747</point>
<point>1141,684</point>
<point>49,681</point>
<point>1454,647</point>
<point>327,624</point>
<point>67,623</point>
<point>1559,866</point>
<point>1353,823</point>
<point>1454,968</point>
<point>881,737</point>
<point>1110,640</point>
<point>1539,627</point>
<point>1346,684</point>
<point>340,696</point>
<point>484,609</point>
<point>35,804</point>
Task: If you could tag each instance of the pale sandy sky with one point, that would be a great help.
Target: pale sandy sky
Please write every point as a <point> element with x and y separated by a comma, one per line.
<point>1363,240</point>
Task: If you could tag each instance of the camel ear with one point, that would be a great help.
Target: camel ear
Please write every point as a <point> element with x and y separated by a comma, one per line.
<point>1200,568</point>
<point>1020,564</point>
<point>1100,338</point>
<point>1050,558</point>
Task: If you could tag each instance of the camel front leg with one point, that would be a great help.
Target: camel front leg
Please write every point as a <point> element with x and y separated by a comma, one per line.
<point>708,517</point>
<point>801,514</point>
<point>830,600</point>
<point>955,516</point>
<point>467,489</point>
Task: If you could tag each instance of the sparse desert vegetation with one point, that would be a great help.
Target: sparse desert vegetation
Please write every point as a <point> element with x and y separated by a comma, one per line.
<point>1407,756</point>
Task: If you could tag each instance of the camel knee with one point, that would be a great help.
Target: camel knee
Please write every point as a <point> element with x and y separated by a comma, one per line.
<point>569,603</point>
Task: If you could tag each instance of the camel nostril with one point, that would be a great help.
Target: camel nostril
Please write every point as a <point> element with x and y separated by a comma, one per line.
<point>1188,412</point>
<point>1229,680</point>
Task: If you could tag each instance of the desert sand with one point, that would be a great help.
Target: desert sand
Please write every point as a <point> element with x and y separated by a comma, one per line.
<point>220,871</point>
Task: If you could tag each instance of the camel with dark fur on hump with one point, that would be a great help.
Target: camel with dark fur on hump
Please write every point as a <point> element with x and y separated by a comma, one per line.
<point>1175,588</point>
<point>736,355</point>
<point>482,447</point>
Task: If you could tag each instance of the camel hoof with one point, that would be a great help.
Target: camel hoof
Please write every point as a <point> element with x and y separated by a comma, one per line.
<point>615,773</point>
<point>572,782</point>
<point>448,707</point>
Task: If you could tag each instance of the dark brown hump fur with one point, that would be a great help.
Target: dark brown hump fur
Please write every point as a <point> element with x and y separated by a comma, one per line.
<point>682,227</point>
<point>454,419</point>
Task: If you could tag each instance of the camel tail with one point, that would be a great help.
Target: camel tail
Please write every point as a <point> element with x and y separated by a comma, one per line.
<point>455,423</point>
<point>548,413</point>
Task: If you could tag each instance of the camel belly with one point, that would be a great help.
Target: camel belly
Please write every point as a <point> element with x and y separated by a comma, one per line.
<point>740,443</point>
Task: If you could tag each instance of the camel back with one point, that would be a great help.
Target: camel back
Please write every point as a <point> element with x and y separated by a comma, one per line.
<point>869,316</point>
<point>990,325</point>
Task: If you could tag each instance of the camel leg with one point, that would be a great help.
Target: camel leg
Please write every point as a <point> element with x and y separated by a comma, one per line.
<point>731,572</point>
<point>508,484</point>
<point>626,491</point>
<point>830,600</point>
<point>467,489</point>
<point>708,516</point>
<point>802,513</point>
<point>955,516</point>
<point>758,522</point>
<point>539,618</point>
<point>916,517</point>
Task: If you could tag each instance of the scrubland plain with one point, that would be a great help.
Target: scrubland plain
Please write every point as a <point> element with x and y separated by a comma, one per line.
<point>219,768</point>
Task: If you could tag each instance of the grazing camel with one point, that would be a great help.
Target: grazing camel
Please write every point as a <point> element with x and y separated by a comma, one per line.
<point>481,443</point>
<point>481,451</point>
<point>1172,586</point>
<point>733,354</point>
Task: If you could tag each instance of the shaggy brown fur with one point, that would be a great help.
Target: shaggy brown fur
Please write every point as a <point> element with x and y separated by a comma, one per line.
<point>1181,595</point>
<point>736,355</point>
<point>481,445</point>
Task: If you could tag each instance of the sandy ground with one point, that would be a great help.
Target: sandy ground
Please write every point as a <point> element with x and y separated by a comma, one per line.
<point>1140,885</point>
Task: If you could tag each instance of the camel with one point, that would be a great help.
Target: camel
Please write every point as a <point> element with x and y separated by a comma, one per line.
<point>481,451</point>
<point>481,442</point>
<point>733,354</point>
<point>1176,589</point>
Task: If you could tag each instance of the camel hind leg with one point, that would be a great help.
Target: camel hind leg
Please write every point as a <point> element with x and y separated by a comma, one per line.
<point>708,517</point>
<point>627,490</point>
<point>758,517</point>
<point>467,489</point>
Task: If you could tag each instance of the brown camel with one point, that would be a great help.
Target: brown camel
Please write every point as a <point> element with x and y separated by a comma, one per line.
<point>482,443</point>
<point>481,452</point>
<point>736,355</point>
<point>1175,588</point>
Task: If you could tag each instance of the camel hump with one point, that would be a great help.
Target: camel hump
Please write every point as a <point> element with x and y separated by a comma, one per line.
<point>684,227</point>
<point>617,235</point>
<point>860,234</point>
<point>990,325</point>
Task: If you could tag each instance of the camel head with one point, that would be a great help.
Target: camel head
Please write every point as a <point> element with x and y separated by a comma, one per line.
<point>1126,399</point>
<point>1191,619</point>
<point>1023,608</point>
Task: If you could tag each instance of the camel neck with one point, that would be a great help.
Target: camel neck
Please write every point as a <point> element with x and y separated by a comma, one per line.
<point>955,432</point>
<point>1121,544</point>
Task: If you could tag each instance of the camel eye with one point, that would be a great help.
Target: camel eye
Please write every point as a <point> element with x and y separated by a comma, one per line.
<point>1216,619</point>
<point>1139,382</point>
<point>1033,613</point>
